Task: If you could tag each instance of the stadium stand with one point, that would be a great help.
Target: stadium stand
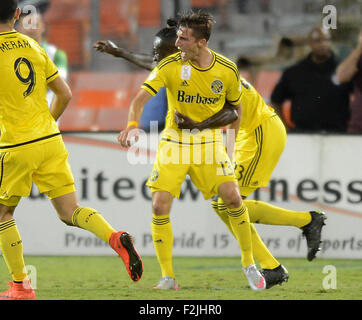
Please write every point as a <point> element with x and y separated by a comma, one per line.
<point>68,25</point>
<point>100,100</point>
<point>149,13</point>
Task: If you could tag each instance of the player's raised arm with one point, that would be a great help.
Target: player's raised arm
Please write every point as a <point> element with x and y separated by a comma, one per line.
<point>349,67</point>
<point>135,111</point>
<point>62,97</point>
<point>142,60</point>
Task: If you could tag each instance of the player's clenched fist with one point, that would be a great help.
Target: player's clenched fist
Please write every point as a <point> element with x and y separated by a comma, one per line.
<point>128,136</point>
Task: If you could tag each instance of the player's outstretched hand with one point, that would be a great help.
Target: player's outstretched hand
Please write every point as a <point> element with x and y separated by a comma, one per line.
<point>184,122</point>
<point>106,46</point>
<point>128,136</point>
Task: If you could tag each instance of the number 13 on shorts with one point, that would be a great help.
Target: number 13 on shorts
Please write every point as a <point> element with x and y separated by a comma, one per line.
<point>225,168</point>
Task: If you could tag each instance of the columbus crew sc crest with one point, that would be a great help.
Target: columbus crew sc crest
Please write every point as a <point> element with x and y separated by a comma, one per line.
<point>154,175</point>
<point>217,86</point>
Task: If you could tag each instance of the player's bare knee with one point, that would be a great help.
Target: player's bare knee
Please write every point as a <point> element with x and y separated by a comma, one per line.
<point>160,208</point>
<point>233,200</point>
<point>161,203</point>
<point>6,213</point>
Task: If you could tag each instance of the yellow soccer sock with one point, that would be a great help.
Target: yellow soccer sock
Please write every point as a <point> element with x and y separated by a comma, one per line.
<point>222,211</point>
<point>265,213</point>
<point>162,236</point>
<point>240,224</point>
<point>12,250</point>
<point>91,220</point>
<point>261,252</point>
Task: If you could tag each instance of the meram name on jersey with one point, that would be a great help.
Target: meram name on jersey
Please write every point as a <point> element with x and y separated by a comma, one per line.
<point>183,97</point>
<point>11,45</point>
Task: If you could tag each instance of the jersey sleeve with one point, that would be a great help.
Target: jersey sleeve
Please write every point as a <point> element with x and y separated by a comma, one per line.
<point>233,92</point>
<point>51,70</point>
<point>154,82</point>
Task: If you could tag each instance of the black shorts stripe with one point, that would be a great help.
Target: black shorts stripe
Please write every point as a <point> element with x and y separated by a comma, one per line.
<point>31,141</point>
<point>2,156</point>
<point>186,143</point>
<point>251,169</point>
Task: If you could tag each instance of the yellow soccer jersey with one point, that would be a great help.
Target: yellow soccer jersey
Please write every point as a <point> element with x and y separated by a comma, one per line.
<point>25,70</point>
<point>254,108</point>
<point>195,92</point>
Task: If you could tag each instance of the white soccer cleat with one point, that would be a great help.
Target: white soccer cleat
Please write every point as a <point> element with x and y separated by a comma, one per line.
<point>255,278</point>
<point>167,283</point>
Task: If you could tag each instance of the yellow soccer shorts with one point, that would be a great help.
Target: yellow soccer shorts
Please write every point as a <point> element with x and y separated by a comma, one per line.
<point>207,164</point>
<point>257,153</point>
<point>44,162</point>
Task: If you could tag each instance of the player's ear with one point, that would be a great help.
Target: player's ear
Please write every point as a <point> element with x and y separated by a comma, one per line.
<point>202,42</point>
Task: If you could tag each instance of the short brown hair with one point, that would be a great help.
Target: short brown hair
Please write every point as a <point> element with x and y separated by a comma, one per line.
<point>200,22</point>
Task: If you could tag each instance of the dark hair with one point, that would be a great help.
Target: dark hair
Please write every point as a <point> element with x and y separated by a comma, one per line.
<point>168,33</point>
<point>168,38</point>
<point>200,22</point>
<point>7,10</point>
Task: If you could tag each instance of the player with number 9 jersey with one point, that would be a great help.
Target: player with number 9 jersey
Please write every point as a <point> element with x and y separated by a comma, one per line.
<point>23,90</point>
<point>29,133</point>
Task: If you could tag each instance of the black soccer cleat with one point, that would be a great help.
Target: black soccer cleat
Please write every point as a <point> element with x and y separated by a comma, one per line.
<point>275,276</point>
<point>312,232</point>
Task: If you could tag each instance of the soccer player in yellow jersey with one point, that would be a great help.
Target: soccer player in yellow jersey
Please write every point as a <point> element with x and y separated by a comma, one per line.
<point>259,144</point>
<point>198,82</point>
<point>32,150</point>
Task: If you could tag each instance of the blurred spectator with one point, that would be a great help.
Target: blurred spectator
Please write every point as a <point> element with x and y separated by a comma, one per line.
<point>220,6</point>
<point>223,15</point>
<point>242,6</point>
<point>351,69</point>
<point>318,101</point>
<point>37,30</point>
<point>250,65</point>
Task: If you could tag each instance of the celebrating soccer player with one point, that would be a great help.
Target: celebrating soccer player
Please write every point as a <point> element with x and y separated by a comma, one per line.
<point>198,82</point>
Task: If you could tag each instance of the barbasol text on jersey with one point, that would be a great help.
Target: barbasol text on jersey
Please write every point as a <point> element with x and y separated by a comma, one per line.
<point>186,98</point>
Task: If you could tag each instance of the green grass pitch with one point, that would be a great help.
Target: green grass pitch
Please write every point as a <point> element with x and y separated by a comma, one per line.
<point>205,278</point>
